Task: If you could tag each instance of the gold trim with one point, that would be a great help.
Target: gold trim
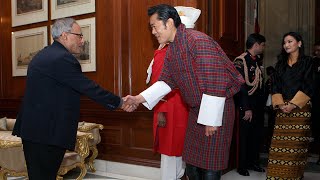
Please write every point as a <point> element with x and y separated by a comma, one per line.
<point>257,82</point>
<point>86,127</point>
<point>89,126</point>
<point>63,170</point>
<point>82,149</point>
<point>300,99</point>
<point>82,145</point>
<point>8,144</point>
<point>94,155</point>
<point>4,173</point>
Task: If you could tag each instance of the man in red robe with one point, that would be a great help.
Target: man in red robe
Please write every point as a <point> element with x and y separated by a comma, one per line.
<point>207,80</point>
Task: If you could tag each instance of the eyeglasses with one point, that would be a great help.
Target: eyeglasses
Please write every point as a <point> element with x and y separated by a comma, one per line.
<point>79,35</point>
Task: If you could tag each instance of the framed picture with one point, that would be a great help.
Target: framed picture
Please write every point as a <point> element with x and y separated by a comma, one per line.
<point>28,11</point>
<point>87,58</point>
<point>66,8</point>
<point>25,45</point>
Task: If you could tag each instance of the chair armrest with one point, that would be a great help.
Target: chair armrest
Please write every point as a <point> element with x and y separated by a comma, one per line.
<point>7,140</point>
<point>82,145</point>
<point>8,144</point>
<point>89,126</point>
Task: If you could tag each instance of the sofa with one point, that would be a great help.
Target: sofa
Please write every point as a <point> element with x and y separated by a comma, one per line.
<point>12,160</point>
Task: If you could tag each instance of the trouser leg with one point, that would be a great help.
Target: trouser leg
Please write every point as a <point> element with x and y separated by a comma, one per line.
<point>181,166</point>
<point>244,129</point>
<point>172,167</point>
<point>255,136</point>
<point>43,161</point>
<point>193,172</point>
<point>211,175</point>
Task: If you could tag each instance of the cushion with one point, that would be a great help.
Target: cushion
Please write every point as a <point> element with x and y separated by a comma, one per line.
<point>3,124</point>
<point>10,124</point>
<point>80,124</point>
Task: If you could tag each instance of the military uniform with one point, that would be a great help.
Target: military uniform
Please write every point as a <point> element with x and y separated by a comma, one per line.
<point>251,97</point>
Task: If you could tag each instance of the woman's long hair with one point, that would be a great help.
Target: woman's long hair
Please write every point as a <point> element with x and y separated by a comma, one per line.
<point>283,56</point>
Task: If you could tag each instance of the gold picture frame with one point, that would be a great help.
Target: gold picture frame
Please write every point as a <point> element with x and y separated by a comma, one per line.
<point>25,45</point>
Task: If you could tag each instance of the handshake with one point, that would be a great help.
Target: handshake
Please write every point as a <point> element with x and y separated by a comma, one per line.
<point>131,103</point>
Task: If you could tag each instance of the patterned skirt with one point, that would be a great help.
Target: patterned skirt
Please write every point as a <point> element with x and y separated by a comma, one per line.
<point>289,146</point>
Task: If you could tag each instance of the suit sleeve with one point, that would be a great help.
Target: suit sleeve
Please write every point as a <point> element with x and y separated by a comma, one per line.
<point>243,93</point>
<point>303,96</point>
<point>68,72</point>
<point>276,90</point>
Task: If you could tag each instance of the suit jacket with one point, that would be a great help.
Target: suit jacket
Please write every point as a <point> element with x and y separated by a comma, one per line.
<point>51,105</point>
<point>197,65</point>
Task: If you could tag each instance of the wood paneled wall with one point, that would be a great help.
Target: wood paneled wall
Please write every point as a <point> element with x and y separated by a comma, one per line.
<point>124,48</point>
<point>317,21</point>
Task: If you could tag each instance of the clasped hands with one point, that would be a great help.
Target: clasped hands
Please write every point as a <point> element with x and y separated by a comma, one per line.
<point>287,108</point>
<point>131,103</point>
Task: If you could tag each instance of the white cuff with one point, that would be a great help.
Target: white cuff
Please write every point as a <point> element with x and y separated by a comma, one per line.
<point>155,93</point>
<point>211,110</point>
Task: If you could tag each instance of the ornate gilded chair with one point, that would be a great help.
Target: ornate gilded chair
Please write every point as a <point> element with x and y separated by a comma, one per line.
<point>92,128</point>
<point>73,159</point>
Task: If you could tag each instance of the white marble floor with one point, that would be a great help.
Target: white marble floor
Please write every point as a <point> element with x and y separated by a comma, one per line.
<point>114,170</point>
<point>118,171</point>
<point>232,175</point>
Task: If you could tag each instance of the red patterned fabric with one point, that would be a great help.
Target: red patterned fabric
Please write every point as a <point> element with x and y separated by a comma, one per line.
<point>197,65</point>
<point>168,140</point>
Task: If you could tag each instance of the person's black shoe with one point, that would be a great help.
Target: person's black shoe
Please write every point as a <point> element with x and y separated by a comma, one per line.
<point>256,168</point>
<point>243,172</point>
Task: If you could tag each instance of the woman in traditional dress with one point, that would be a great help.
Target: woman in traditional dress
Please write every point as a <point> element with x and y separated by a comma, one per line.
<point>291,93</point>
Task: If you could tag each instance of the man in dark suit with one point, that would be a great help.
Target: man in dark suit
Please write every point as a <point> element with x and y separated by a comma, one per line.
<point>48,119</point>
